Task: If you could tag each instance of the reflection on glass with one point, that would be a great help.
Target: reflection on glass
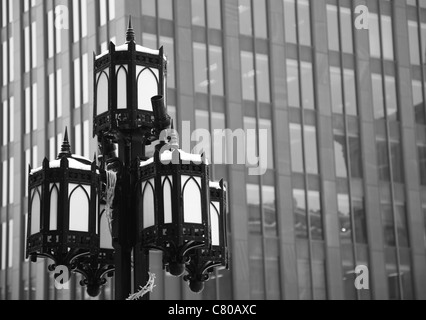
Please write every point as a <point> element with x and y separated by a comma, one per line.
<point>290,21</point>
<point>413,38</point>
<point>216,70</point>
<point>198,18</point>
<point>360,221</point>
<point>244,9</point>
<point>248,75</point>
<point>148,8</point>
<point>214,14</point>
<point>387,37</point>
<point>419,108</point>
<point>378,100</point>
<point>355,156</point>
<point>332,27</point>
<point>296,148</point>
<point>293,83</point>
<point>388,225</point>
<point>266,125</point>
<point>373,26</point>
<point>269,207</point>
<point>396,161</point>
<point>260,25</point>
<point>345,223</point>
<point>315,215</point>
<point>401,226</point>
<point>253,201</point>
<point>406,274</point>
<point>392,274</point>
<point>257,283</point>
<point>165,8</point>
<point>346,27</point>
<point>300,217</point>
<point>336,90</point>
<point>391,100</point>
<point>383,160</point>
<point>307,85</point>
<point>422,164</point>
<point>262,78</point>
<point>318,272</point>
<point>311,151</point>
<point>304,279</point>
<point>304,22</point>
<point>200,68</point>
<point>350,92</point>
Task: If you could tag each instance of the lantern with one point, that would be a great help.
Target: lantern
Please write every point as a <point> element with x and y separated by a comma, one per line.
<point>174,205</point>
<point>64,198</point>
<point>203,260</point>
<point>125,79</point>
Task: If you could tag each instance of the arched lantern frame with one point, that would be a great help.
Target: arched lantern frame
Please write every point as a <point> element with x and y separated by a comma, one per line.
<point>179,216</point>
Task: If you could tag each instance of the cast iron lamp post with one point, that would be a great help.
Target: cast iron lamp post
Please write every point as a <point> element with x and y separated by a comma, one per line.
<point>101,218</point>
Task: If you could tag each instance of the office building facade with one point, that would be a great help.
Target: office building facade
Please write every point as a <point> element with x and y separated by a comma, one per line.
<point>336,86</point>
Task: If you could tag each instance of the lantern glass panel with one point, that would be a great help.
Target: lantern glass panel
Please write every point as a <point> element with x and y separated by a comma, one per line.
<point>35,211</point>
<point>121,73</point>
<point>105,232</point>
<point>148,84</point>
<point>102,92</point>
<point>167,198</point>
<point>191,190</point>
<point>54,198</point>
<point>79,208</point>
<point>214,220</point>
<point>148,203</point>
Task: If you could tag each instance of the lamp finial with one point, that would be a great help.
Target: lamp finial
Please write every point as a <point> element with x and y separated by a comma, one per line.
<point>66,147</point>
<point>130,34</point>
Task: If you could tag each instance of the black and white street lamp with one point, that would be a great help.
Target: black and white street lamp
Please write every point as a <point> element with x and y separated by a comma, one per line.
<point>103,217</point>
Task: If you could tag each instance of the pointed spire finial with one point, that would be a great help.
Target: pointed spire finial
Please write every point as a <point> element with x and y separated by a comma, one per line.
<point>66,147</point>
<point>130,34</point>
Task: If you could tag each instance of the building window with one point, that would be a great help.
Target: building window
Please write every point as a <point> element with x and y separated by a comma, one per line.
<point>203,10</point>
<point>392,151</point>
<point>252,17</point>
<point>161,8</point>
<point>381,36</point>
<point>384,97</point>
<point>300,84</point>
<point>297,18</point>
<point>343,94</point>
<point>255,77</point>
<point>80,19</point>
<point>348,156</point>
<point>304,152</point>
<point>106,11</point>
<point>339,27</point>
<point>422,163</point>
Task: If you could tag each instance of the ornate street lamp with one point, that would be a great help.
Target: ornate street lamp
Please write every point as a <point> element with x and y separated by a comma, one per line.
<point>100,220</point>
<point>64,197</point>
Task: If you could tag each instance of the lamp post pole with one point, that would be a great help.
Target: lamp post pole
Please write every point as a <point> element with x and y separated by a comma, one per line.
<point>128,255</point>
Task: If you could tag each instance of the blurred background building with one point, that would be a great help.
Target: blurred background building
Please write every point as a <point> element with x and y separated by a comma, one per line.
<point>344,109</point>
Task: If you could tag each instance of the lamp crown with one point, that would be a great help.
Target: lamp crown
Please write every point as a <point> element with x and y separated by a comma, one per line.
<point>66,147</point>
<point>130,34</point>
